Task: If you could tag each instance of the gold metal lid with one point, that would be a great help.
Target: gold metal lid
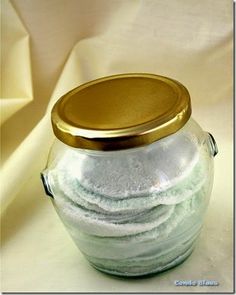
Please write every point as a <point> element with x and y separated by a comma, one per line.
<point>121,111</point>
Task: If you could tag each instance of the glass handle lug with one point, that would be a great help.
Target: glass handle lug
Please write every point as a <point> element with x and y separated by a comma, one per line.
<point>213,145</point>
<point>46,185</point>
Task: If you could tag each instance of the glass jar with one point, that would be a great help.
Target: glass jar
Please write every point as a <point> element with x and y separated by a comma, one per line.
<point>130,173</point>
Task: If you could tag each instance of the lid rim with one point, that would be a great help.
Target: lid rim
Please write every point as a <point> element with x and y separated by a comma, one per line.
<point>120,138</point>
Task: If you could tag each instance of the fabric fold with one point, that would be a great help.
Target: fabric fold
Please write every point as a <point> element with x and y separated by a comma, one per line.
<point>16,79</point>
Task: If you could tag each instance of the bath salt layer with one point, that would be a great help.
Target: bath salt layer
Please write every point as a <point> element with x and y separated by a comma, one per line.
<point>121,175</point>
<point>62,182</point>
<point>138,232</point>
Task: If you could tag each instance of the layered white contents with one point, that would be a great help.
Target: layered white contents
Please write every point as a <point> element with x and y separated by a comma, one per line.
<point>134,213</point>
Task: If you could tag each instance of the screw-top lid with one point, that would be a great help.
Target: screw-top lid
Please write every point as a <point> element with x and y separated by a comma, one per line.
<point>121,111</point>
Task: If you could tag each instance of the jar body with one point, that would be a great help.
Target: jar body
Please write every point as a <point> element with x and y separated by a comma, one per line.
<point>137,211</point>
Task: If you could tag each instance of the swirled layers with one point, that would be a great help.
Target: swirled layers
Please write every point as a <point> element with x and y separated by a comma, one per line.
<point>135,234</point>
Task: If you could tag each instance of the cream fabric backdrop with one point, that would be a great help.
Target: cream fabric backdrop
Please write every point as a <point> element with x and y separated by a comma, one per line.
<point>49,47</point>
